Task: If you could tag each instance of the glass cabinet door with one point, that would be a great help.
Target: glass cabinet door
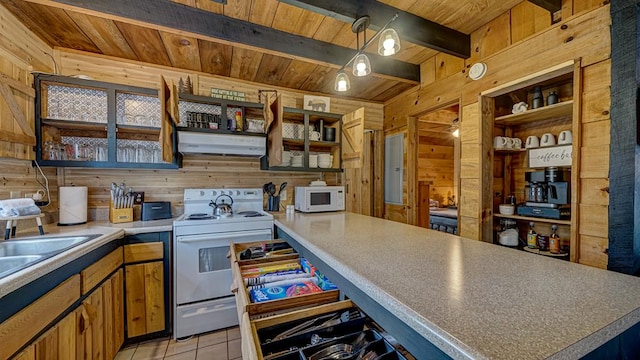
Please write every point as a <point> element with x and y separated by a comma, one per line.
<point>138,127</point>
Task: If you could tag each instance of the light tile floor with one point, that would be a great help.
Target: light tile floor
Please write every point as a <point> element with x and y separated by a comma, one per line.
<point>217,345</point>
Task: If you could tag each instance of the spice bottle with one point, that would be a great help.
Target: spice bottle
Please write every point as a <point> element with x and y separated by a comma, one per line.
<point>552,98</point>
<point>554,240</point>
<point>532,237</point>
<point>239,120</point>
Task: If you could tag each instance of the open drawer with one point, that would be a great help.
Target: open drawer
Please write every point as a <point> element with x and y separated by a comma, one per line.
<point>308,333</point>
<point>261,251</point>
<point>276,306</point>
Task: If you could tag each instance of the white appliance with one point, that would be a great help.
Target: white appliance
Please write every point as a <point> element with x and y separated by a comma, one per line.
<point>319,198</point>
<point>201,270</point>
<point>192,142</point>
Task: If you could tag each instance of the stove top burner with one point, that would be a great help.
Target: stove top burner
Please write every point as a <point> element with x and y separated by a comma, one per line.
<point>199,216</point>
<point>250,213</point>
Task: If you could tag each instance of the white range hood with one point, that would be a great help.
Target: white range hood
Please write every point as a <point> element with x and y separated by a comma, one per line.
<point>192,142</point>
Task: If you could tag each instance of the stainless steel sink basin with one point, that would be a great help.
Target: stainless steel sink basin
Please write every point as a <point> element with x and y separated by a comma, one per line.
<point>41,246</point>
<point>18,254</point>
<point>14,263</point>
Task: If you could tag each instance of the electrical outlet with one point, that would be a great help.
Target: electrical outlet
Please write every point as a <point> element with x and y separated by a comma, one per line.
<point>138,197</point>
<point>16,194</point>
<point>283,195</point>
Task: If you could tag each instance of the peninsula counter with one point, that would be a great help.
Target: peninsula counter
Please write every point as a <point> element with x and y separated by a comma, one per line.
<point>441,295</point>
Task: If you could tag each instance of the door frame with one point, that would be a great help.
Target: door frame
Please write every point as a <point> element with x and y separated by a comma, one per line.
<point>413,203</point>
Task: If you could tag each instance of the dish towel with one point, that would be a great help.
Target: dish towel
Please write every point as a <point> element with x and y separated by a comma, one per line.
<point>18,207</point>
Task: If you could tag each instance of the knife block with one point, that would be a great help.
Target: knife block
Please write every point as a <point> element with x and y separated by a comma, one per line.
<point>120,215</point>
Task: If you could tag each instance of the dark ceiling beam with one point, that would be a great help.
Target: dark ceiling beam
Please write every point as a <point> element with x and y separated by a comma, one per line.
<point>411,28</point>
<point>167,14</point>
<point>549,5</point>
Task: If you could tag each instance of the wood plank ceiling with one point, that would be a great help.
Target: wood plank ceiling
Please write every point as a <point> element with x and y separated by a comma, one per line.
<point>65,25</point>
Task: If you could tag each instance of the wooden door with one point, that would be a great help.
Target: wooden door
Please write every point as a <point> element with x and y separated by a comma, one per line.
<point>169,116</point>
<point>275,133</point>
<point>145,298</point>
<point>358,164</point>
<point>353,139</point>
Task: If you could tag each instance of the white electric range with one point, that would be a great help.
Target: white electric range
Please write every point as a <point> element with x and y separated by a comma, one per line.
<point>201,270</point>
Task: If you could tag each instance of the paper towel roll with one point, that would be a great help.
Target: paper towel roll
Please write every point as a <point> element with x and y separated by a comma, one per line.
<point>73,205</point>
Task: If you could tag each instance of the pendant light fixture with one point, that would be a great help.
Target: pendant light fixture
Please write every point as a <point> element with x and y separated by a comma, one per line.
<point>361,64</point>
<point>389,44</point>
<point>342,82</point>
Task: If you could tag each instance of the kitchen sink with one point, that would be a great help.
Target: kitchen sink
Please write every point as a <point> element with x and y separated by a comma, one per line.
<point>11,264</point>
<point>18,254</point>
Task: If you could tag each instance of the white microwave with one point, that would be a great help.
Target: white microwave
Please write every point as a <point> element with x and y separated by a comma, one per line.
<point>319,198</point>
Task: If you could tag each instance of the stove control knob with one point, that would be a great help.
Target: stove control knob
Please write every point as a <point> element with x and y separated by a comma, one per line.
<point>237,193</point>
<point>213,193</point>
<point>201,193</point>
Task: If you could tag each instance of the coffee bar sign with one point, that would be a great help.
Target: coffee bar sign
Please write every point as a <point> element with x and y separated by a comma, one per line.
<point>550,156</point>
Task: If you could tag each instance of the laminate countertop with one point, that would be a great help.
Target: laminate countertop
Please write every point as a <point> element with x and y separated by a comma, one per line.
<point>108,232</point>
<point>469,298</point>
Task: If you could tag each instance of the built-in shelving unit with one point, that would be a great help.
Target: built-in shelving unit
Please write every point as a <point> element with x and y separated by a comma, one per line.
<point>511,165</point>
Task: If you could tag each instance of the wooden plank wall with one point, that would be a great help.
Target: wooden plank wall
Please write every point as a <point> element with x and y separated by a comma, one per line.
<point>199,171</point>
<point>520,42</point>
<point>20,176</point>
<point>436,164</point>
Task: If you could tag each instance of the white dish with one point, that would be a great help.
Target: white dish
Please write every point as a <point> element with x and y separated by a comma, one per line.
<point>318,183</point>
<point>506,209</point>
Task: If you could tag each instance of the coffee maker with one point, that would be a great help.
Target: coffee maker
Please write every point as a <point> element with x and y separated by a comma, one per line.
<point>547,193</point>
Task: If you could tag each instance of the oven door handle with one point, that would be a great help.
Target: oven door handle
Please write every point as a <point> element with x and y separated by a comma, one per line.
<point>233,235</point>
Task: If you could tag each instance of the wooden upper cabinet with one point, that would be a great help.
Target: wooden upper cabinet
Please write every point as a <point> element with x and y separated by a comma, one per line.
<point>86,123</point>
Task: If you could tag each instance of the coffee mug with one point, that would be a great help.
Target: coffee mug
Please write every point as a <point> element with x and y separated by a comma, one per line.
<point>509,143</point>
<point>314,135</point>
<point>547,140</point>
<point>517,143</point>
<point>38,195</point>
<point>565,137</point>
<point>532,142</point>
<point>499,142</point>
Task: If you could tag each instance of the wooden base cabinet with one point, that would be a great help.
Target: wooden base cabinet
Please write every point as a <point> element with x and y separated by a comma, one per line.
<point>146,258</point>
<point>94,330</point>
<point>100,326</point>
<point>145,298</point>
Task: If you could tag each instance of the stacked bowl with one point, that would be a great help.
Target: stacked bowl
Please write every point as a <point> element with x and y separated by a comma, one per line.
<point>286,158</point>
<point>296,159</point>
<point>313,160</point>
<point>324,160</point>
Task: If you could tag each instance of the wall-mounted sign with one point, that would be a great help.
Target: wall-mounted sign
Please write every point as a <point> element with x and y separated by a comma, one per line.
<point>550,156</point>
<point>316,103</point>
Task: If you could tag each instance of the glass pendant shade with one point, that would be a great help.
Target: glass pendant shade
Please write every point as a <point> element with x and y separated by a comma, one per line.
<point>342,82</point>
<point>361,65</point>
<point>389,43</point>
